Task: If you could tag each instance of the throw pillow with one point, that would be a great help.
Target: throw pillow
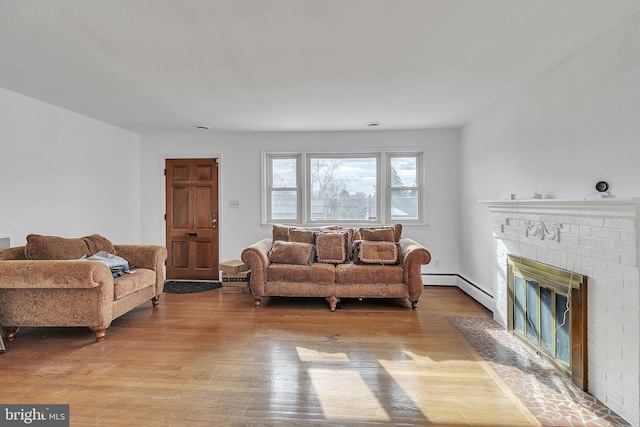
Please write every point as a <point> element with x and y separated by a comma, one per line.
<point>332,247</point>
<point>97,243</point>
<point>291,253</point>
<point>40,247</point>
<point>301,235</point>
<point>397,231</point>
<point>378,234</point>
<point>376,252</point>
<point>305,234</point>
<point>350,233</point>
<point>280,232</point>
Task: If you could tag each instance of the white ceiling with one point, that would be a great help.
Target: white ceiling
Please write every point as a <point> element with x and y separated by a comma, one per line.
<point>259,65</point>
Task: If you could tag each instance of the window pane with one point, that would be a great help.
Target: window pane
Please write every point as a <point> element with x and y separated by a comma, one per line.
<point>404,204</point>
<point>284,173</point>
<point>404,172</point>
<point>284,205</point>
<point>343,188</point>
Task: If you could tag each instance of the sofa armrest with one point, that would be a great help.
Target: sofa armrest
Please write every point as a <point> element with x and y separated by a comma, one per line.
<point>143,256</point>
<point>413,256</point>
<point>257,257</point>
<point>151,257</point>
<point>54,274</point>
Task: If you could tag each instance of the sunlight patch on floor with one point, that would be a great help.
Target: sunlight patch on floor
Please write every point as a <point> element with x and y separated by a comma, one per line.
<point>308,355</point>
<point>344,395</point>
<point>430,385</point>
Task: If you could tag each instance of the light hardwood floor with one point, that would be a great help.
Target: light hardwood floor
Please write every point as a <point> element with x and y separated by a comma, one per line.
<point>212,359</point>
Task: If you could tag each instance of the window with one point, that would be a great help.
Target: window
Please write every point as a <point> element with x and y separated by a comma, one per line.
<point>404,188</point>
<point>331,188</point>
<point>343,188</point>
<point>283,189</point>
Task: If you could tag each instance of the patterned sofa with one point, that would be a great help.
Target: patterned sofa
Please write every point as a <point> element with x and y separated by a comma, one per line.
<point>334,262</point>
<point>44,283</point>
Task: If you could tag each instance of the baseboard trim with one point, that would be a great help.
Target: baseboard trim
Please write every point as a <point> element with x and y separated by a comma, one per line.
<point>432,279</point>
<point>465,285</point>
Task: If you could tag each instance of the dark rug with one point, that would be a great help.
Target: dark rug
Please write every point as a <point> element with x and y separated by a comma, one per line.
<point>183,287</point>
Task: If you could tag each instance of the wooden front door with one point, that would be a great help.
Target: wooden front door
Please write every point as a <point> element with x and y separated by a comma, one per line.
<point>192,218</point>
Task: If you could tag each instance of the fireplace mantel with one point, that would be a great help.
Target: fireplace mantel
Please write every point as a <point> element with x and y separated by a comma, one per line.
<point>605,207</point>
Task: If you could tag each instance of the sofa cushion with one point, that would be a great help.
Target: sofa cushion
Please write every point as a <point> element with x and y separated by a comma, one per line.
<point>314,273</point>
<point>332,247</point>
<point>40,247</point>
<point>291,253</point>
<point>132,282</point>
<point>373,252</point>
<point>353,273</point>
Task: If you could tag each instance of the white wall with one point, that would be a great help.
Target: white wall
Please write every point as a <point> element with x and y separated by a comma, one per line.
<point>573,126</point>
<point>65,174</point>
<point>240,168</point>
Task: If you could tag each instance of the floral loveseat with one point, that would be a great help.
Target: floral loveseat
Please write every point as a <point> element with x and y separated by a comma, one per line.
<point>334,262</point>
<point>45,284</point>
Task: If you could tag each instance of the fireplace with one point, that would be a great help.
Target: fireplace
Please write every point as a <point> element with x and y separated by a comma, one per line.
<point>547,310</point>
<point>598,238</point>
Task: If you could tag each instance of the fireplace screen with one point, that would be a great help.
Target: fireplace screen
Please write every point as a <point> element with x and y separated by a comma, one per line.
<point>541,317</point>
<point>547,310</point>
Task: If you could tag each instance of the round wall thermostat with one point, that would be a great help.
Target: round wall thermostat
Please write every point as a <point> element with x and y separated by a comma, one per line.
<point>602,186</point>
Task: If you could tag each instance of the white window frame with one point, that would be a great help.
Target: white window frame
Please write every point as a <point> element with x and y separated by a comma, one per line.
<point>383,185</point>
<point>270,189</point>
<point>419,187</point>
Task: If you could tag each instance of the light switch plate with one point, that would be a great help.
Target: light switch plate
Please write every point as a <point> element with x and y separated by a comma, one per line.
<point>234,204</point>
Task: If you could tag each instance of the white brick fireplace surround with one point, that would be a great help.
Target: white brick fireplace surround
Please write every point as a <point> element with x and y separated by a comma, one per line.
<point>597,238</point>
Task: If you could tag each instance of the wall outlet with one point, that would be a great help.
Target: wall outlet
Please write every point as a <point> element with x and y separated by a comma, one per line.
<point>234,204</point>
